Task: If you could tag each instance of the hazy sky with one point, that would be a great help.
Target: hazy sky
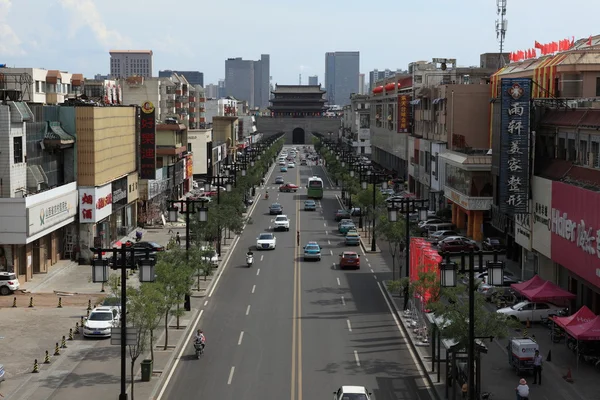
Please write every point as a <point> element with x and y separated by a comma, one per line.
<point>75,35</point>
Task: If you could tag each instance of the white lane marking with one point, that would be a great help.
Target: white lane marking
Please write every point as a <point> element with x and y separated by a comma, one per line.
<point>248,310</point>
<point>262,257</point>
<point>253,288</point>
<point>269,227</point>
<point>349,326</point>
<point>329,242</point>
<point>183,348</point>
<point>230,375</point>
<point>410,350</point>
<point>205,303</point>
<point>258,272</point>
<point>323,217</point>
<point>372,270</point>
<point>356,358</point>
<point>325,224</point>
<point>362,250</point>
<point>338,281</point>
<point>369,265</point>
<point>375,276</point>
<point>331,252</point>
<point>343,301</point>
<point>327,232</point>
<point>241,337</point>
<point>334,267</point>
<point>366,259</point>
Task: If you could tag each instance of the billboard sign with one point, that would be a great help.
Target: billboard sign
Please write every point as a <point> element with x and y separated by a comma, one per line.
<point>148,141</point>
<point>403,113</point>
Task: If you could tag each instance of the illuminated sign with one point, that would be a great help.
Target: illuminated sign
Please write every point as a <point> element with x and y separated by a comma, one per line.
<point>148,142</point>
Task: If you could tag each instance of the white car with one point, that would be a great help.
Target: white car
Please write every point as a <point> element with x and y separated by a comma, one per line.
<point>352,393</point>
<point>266,241</point>
<point>526,310</point>
<point>281,222</point>
<point>291,165</point>
<point>100,322</point>
<point>213,258</point>
<point>8,283</point>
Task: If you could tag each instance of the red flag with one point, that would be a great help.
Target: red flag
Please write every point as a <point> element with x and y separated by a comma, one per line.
<point>589,42</point>
<point>510,57</point>
<point>537,45</point>
<point>561,45</point>
<point>572,42</point>
<point>545,49</point>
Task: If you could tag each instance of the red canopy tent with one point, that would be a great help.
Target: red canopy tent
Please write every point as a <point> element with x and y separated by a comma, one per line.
<point>534,282</point>
<point>547,292</point>
<point>583,315</point>
<point>587,331</point>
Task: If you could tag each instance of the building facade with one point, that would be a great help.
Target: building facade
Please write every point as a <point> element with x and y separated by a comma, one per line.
<point>297,101</point>
<point>40,86</point>
<point>313,80</point>
<point>193,77</point>
<point>126,63</point>
<point>356,125</point>
<point>248,80</point>
<point>342,69</point>
<point>227,107</point>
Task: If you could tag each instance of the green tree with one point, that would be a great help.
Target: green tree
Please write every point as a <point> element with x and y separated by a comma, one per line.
<point>395,235</point>
<point>377,214</point>
<point>199,260</point>
<point>175,278</point>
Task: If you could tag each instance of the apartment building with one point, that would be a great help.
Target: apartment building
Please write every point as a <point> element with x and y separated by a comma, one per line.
<point>356,125</point>
<point>41,86</point>
<point>226,107</point>
<point>126,63</point>
<point>102,91</point>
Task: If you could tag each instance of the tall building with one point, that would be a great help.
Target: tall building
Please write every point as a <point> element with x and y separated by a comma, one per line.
<point>248,80</point>
<point>126,63</point>
<point>377,75</point>
<point>341,76</point>
<point>221,89</point>
<point>193,77</point>
<point>313,80</point>
<point>361,84</point>
<point>212,91</point>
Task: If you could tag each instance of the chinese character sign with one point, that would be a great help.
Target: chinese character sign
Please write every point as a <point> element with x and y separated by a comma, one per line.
<point>404,113</point>
<point>148,142</point>
<point>514,145</point>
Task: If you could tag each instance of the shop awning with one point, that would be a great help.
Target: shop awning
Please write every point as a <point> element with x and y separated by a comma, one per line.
<point>438,100</point>
<point>547,292</point>
<point>582,316</point>
<point>587,331</point>
<point>415,102</point>
<point>534,282</point>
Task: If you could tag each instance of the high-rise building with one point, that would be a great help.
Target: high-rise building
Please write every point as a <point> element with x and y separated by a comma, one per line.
<point>313,80</point>
<point>377,75</point>
<point>341,76</point>
<point>212,91</point>
<point>221,89</point>
<point>248,80</point>
<point>193,77</point>
<point>126,63</point>
<point>361,83</point>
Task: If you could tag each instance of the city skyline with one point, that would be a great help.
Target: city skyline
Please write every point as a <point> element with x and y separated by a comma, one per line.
<point>30,40</point>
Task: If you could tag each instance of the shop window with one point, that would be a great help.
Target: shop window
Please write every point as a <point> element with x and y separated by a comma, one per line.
<point>597,86</point>
<point>18,149</point>
<point>571,150</point>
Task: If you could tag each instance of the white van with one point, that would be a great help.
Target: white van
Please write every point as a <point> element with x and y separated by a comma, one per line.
<point>426,229</point>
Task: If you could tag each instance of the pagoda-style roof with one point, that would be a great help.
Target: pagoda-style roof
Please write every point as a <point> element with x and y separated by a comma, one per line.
<point>294,89</point>
<point>297,100</point>
<point>298,108</point>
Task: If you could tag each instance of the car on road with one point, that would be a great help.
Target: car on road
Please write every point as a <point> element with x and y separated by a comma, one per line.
<point>303,162</point>
<point>281,223</point>
<point>352,238</point>
<point>342,214</point>
<point>142,249</point>
<point>276,209</point>
<point>8,283</point>
<point>266,241</point>
<point>283,169</point>
<point>346,226</point>
<point>352,393</point>
<point>310,205</point>
<point>291,165</point>
<point>492,243</point>
<point>279,180</point>
<point>532,311</point>
<point>349,259</point>
<point>458,244</point>
<point>288,187</point>
<point>101,321</point>
<point>312,251</point>
<point>282,163</point>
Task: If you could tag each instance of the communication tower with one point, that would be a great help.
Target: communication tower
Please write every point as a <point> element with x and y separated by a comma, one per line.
<point>501,28</point>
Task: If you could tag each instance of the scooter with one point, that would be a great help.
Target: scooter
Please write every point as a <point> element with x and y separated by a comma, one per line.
<point>199,349</point>
<point>249,260</point>
<point>138,236</point>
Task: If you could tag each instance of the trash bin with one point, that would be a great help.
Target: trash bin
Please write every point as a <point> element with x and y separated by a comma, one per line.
<point>146,370</point>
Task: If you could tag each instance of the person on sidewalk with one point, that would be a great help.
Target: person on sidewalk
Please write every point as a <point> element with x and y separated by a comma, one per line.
<point>522,390</point>
<point>537,368</point>
<point>178,239</point>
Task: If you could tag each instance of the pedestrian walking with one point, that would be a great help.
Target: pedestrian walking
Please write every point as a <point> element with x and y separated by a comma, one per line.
<point>522,390</point>
<point>178,239</point>
<point>298,238</point>
<point>537,368</point>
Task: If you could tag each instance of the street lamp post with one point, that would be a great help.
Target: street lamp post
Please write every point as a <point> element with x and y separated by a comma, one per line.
<point>187,207</point>
<point>448,278</point>
<point>360,168</point>
<point>373,178</point>
<point>123,259</point>
<point>218,181</point>
<point>407,205</point>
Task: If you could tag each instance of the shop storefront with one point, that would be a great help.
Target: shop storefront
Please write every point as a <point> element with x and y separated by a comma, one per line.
<point>122,220</point>
<point>95,209</point>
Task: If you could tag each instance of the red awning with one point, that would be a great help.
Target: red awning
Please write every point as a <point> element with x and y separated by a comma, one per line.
<point>534,282</point>
<point>583,315</point>
<point>547,292</point>
<point>587,331</point>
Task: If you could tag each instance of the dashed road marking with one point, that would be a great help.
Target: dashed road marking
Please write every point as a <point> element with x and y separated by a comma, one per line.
<point>248,309</point>
<point>338,281</point>
<point>253,288</point>
<point>349,325</point>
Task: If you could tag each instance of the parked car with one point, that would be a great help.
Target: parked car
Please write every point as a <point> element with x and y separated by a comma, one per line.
<point>342,214</point>
<point>532,311</point>
<point>266,241</point>
<point>281,223</point>
<point>288,187</point>
<point>8,283</point>
<point>352,238</point>
<point>439,235</point>
<point>349,259</point>
<point>492,243</point>
<point>276,209</point>
<point>312,251</point>
<point>430,221</point>
<point>310,205</point>
<point>458,244</point>
<point>211,255</point>
<point>101,321</point>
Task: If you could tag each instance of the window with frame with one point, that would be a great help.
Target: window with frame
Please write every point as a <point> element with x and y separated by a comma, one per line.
<point>18,149</point>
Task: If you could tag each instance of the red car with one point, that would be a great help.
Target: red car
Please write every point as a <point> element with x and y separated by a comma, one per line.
<point>288,187</point>
<point>349,259</point>
<point>458,244</point>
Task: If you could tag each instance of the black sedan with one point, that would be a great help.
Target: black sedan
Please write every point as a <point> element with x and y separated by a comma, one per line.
<point>276,209</point>
<point>492,243</point>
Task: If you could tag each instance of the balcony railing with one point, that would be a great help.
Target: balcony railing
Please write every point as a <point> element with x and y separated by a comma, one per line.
<point>182,99</point>
<point>181,111</point>
<point>192,99</point>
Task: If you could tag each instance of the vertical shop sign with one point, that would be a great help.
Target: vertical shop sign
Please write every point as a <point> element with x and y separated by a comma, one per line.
<point>403,113</point>
<point>148,142</point>
<point>514,145</point>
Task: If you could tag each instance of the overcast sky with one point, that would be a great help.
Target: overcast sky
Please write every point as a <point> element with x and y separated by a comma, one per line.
<point>75,35</point>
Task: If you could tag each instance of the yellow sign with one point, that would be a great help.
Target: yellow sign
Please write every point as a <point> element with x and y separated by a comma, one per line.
<point>148,107</point>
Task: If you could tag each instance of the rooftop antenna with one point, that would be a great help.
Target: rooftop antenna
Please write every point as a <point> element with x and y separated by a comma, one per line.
<point>300,79</point>
<point>501,28</point>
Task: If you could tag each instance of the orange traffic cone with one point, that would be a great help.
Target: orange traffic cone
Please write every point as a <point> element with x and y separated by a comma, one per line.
<point>568,377</point>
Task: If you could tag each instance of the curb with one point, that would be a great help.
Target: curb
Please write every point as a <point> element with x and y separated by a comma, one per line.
<point>390,298</point>
<point>366,249</point>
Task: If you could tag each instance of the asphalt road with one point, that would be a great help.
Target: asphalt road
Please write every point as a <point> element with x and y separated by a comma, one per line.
<point>289,329</point>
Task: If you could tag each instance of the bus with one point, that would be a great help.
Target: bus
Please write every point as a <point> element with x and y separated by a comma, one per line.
<point>315,188</point>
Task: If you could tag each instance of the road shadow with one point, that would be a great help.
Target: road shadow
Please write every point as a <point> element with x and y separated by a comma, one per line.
<point>335,301</point>
<point>405,387</point>
<point>329,290</point>
<point>76,380</point>
<point>100,353</point>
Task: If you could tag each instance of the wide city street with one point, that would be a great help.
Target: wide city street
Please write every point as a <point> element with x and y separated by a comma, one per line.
<point>289,329</point>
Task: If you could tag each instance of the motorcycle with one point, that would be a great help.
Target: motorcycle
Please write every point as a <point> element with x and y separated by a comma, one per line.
<point>266,196</point>
<point>199,347</point>
<point>138,236</point>
<point>249,260</point>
